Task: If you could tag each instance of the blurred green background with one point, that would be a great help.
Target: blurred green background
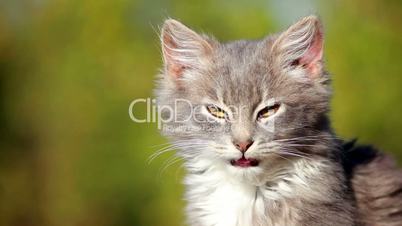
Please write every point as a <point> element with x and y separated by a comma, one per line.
<point>69,153</point>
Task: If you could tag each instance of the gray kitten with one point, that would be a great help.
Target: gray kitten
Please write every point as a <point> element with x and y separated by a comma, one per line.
<point>250,120</point>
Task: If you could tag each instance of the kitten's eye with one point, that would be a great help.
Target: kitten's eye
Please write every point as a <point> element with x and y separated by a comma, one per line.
<point>268,111</point>
<point>216,112</point>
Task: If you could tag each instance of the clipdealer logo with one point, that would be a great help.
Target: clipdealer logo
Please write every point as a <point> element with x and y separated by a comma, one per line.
<point>163,114</point>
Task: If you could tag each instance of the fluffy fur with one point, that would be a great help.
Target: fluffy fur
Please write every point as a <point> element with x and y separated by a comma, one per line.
<point>305,176</point>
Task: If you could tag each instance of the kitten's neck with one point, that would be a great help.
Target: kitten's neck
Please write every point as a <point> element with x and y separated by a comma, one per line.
<point>217,198</point>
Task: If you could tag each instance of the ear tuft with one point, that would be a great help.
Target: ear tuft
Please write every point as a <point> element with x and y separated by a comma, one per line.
<point>182,48</point>
<point>301,45</point>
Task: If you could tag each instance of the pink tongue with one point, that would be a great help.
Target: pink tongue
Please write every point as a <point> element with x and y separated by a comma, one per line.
<point>243,162</point>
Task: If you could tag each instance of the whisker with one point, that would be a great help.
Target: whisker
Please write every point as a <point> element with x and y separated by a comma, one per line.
<point>172,147</point>
<point>171,161</point>
<point>295,154</point>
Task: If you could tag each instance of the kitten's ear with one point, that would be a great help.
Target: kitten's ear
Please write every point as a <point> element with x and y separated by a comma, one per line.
<point>301,47</point>
<point>183,48</point>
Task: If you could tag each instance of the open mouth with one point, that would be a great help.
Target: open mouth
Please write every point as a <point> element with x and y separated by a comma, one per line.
<point>244,162</point>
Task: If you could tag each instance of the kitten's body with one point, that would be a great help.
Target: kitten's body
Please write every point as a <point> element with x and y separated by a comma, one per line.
<point>274,161</point>
<point>376,184</point>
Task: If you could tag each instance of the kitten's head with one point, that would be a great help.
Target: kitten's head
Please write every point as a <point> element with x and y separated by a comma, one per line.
<point>247,107</point>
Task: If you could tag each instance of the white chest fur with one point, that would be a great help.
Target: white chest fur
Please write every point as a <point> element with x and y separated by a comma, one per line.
<point>218,199</point>
<point>227,204</point>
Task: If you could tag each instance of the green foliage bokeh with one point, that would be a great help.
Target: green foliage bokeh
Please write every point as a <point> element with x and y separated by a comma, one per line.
<point>69,153</point>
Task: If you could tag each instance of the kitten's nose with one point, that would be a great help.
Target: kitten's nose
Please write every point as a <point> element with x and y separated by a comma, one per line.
<point>244,145</point>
